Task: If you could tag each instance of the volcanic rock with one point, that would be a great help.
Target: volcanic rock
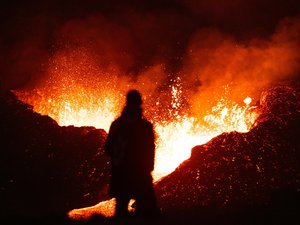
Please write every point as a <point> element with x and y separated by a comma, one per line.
<point>46,168</point>
<point>242,169</point>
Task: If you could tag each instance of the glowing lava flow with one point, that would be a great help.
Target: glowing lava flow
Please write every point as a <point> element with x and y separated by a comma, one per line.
<point>175,139</point>
<point>174,144</point>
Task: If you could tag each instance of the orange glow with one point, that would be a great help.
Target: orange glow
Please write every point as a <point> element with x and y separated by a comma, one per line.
<point>175,138</point>
<point>175,141</point>
<point>218,79</point>
<point>106,208</point>
<point>79,93</point>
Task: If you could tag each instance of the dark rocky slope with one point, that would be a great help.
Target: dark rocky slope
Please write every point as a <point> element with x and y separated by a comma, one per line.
<point>235,171</point>
<point>45,168</point>
<point>236,178</point>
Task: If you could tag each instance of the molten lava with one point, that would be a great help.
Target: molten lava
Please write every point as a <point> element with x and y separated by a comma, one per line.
<point>175,138</point>
<point>78,92</point>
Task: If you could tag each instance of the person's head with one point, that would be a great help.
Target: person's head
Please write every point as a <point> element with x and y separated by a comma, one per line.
<point>133,105</point>
<point>134,98</point>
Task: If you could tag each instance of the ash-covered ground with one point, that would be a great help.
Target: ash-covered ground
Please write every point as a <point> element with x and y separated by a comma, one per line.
<point>236,178</point>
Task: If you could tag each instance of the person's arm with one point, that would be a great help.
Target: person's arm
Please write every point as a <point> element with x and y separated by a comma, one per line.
<point>109,140</point>
<point>151,148</point>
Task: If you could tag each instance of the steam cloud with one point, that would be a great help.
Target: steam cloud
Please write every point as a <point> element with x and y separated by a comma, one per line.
<point>210,46</point>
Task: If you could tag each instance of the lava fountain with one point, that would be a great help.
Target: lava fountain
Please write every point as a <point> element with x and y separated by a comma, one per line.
<point>77,92</point>
<point>175,138</point>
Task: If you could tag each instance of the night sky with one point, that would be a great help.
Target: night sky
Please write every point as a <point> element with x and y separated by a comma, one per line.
<point>141,32</point>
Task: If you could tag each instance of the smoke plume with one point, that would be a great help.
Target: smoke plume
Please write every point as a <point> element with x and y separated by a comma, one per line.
<point>211,48</point>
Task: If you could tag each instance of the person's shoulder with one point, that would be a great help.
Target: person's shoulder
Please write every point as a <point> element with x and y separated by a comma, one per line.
<point>117,122</point>
<point>147,123</point>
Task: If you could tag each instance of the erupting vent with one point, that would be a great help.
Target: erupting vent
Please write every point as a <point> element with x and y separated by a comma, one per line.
<point>175,136</point>
<point>79,97</point>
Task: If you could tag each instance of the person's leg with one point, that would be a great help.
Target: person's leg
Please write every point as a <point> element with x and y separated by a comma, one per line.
<point>146,204</point>
<point>121,206</point>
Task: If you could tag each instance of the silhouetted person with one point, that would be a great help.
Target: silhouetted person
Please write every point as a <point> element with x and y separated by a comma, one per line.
<point>130,144</point>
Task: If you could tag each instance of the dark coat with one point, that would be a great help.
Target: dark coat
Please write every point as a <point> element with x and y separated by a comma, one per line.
<point>131,146</point>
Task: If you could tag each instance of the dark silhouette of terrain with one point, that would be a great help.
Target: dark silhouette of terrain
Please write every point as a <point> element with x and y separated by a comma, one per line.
<point>236,178</point>
<point>47,169</point>
<point>251,176</point>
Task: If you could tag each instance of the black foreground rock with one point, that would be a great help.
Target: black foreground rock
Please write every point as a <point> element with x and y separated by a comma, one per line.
<point>47,169</point>
<point>236,178</point>
<point>244,172</point>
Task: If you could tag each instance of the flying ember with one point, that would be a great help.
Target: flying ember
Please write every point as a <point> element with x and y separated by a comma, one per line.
<point>175,136</point>
<point>79,93</point>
